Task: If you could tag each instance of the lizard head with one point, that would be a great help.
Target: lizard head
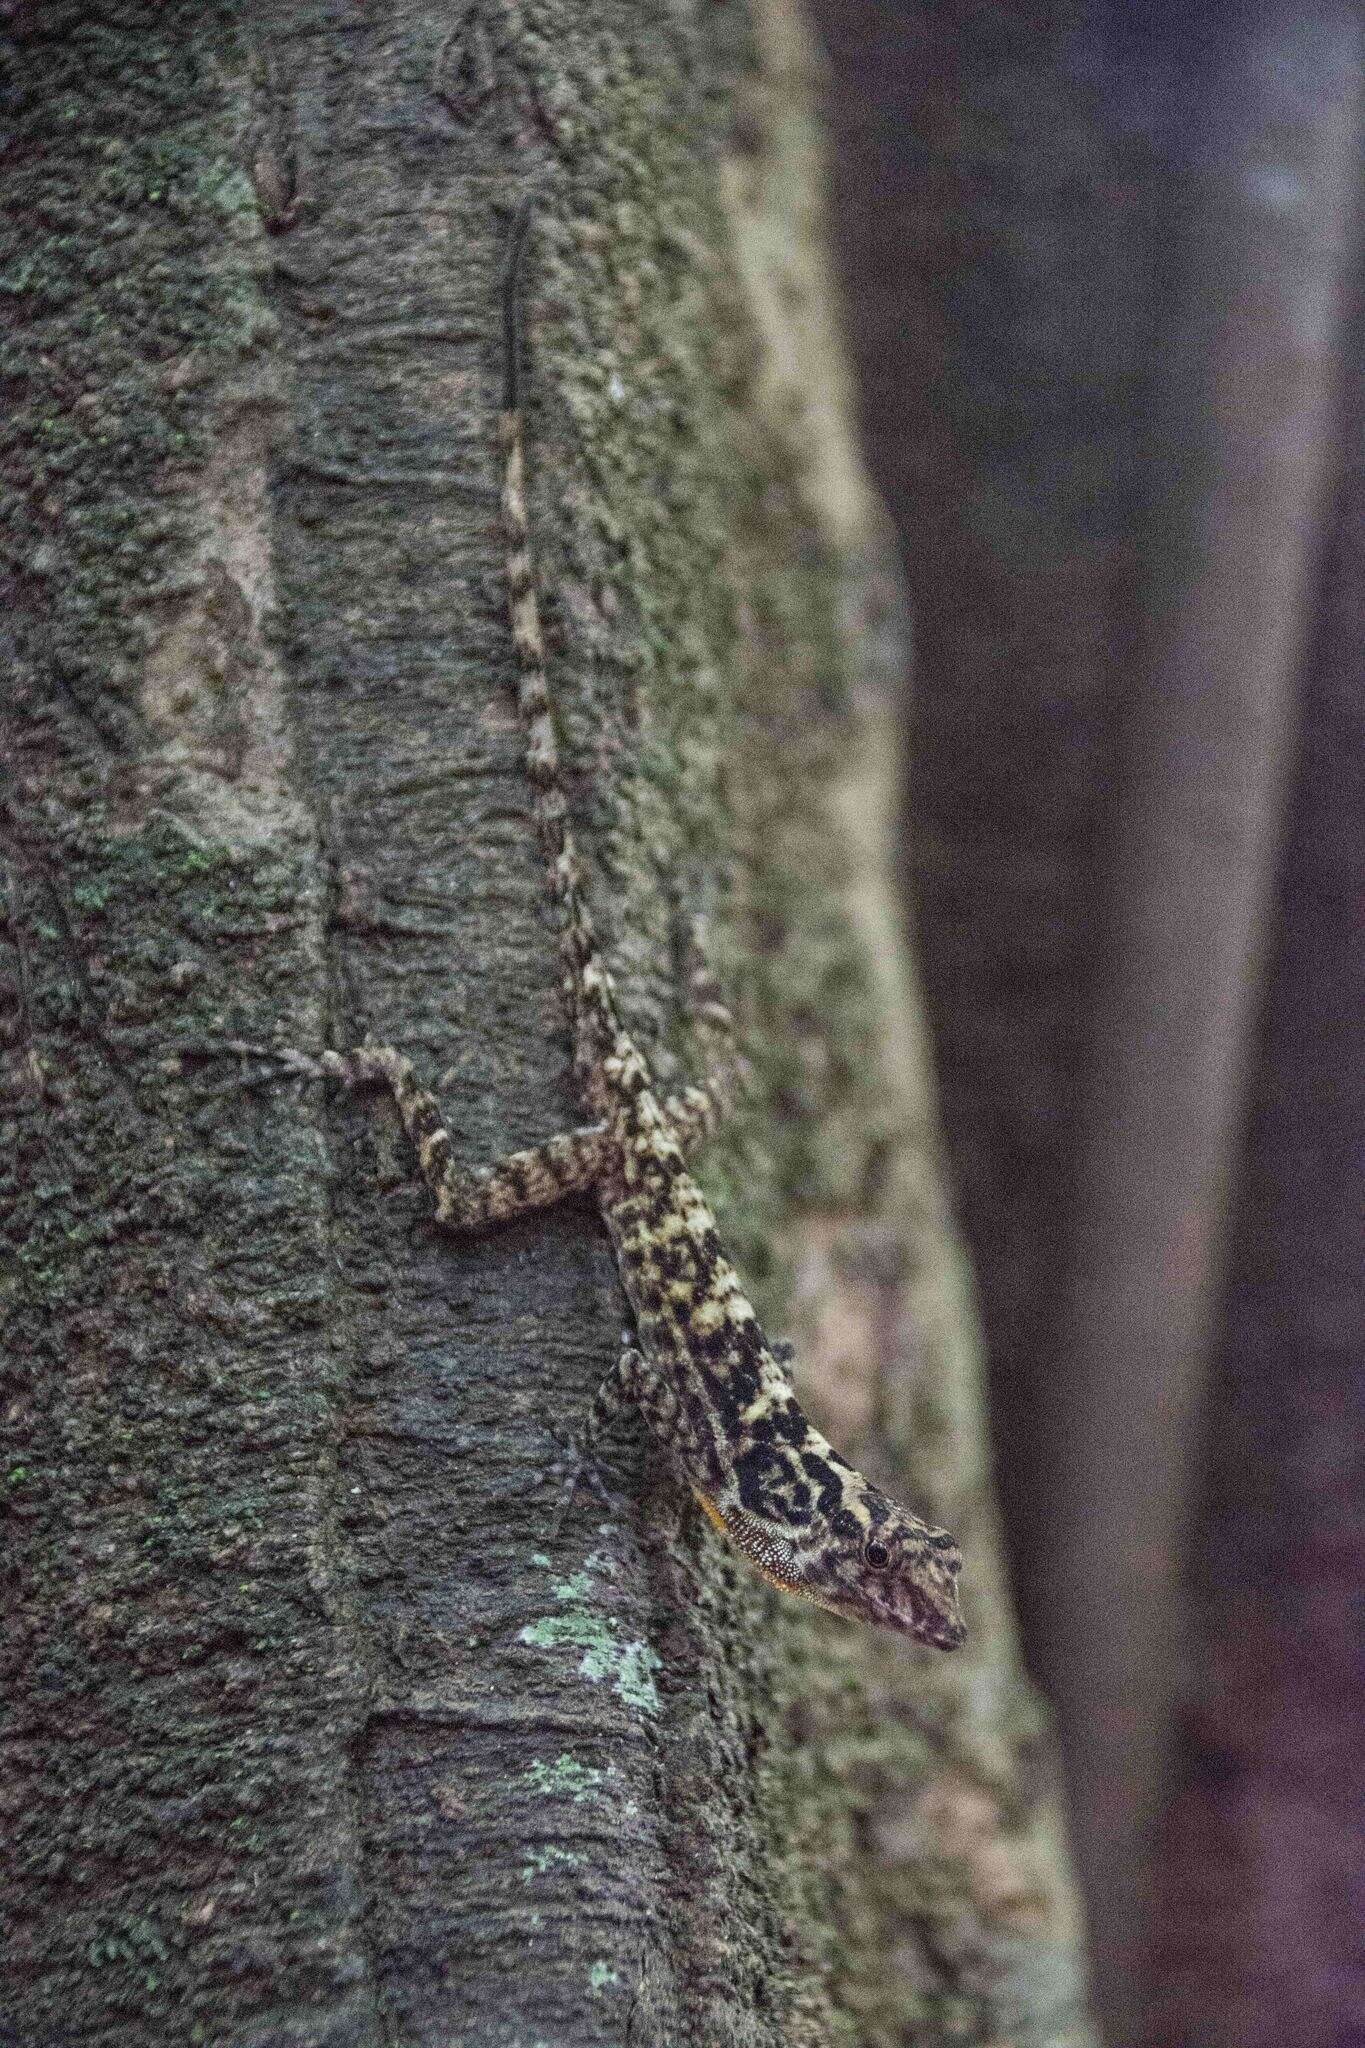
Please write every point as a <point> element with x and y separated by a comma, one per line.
<point>865,1558</point>
<point>894,1570</point>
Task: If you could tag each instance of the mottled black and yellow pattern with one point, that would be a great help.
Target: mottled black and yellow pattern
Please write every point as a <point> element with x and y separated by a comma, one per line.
<point>715,1392</point>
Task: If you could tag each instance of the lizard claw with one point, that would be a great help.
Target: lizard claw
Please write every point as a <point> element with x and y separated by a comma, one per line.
<point>580,1468</point>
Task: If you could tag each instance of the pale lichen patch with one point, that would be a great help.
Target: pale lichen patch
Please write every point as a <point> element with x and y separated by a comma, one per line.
<point>628,1665</point>
<point>211,689</point>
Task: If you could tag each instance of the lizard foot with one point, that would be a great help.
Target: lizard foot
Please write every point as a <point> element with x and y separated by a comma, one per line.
<point>580,1466</point>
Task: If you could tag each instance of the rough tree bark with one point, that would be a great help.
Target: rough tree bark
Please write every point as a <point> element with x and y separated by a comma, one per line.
<point>310,1740</point>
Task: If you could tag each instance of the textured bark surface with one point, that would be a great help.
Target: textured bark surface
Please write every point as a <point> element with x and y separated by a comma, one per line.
<point>311,1741</point>
<point>1258,1909</point>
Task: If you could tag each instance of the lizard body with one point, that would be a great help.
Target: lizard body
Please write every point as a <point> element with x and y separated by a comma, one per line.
<point>715,1392</point>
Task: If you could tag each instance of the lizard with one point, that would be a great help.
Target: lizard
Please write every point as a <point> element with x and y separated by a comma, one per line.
<point>716,1394</point>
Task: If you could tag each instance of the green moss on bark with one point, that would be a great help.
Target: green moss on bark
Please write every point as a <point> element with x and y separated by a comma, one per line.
<point>314,1743</point>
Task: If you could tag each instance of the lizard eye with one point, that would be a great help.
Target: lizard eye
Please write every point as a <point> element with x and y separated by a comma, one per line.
<point>876,1555</point>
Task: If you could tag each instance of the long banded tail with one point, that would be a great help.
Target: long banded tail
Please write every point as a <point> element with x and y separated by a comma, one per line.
<point>587,984</point>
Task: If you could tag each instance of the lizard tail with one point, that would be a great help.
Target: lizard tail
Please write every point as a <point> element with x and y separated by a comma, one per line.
<point>587,983</point>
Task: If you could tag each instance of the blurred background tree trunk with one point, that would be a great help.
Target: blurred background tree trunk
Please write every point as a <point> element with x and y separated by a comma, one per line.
<point>308,1739</point>
<point>1259,1935</point>
<point>1095,258</point>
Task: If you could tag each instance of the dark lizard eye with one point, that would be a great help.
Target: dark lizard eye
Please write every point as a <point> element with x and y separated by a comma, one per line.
<point>876,1555</point>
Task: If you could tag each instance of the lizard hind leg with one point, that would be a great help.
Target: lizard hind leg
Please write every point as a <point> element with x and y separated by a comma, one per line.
<point>699,1110</point>
<point>470,1197</point>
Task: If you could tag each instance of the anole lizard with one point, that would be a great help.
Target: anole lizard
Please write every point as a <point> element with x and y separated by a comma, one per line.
<point>716,1393</point>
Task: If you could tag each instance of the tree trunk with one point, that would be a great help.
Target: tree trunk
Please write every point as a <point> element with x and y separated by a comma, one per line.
<point>1259,1849</point>
<point>1239,449</point>
<point>314,1736</point>
<point>992,227</point>
<point>1103,414</point>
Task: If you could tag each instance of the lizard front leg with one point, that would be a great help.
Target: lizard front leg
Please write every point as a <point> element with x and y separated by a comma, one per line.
<point>635,1385</point>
